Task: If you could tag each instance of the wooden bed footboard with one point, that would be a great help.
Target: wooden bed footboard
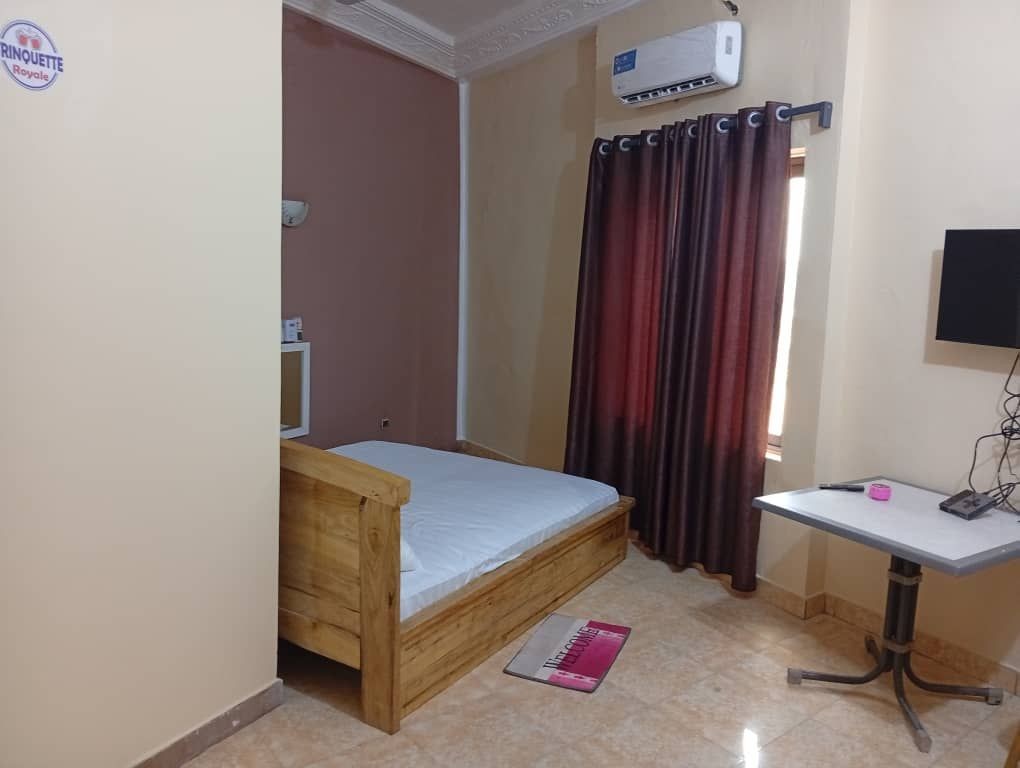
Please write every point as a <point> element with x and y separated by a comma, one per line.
<point>447,640</point>
<point>340,583</point>
<point>340,569</point>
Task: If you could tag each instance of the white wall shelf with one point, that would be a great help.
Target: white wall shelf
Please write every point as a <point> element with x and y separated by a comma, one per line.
<point>295,389</point>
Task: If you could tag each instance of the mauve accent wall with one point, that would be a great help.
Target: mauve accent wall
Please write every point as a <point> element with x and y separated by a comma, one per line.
<point>371,142</point>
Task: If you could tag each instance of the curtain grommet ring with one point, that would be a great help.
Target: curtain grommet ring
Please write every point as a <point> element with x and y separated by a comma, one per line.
<point>782,114</point>
<point>751,119</point>
<point>720,125</point>
<point>604,148</point>
<point>623,144</point>
<point>692,131</point>
<point>652,139</point>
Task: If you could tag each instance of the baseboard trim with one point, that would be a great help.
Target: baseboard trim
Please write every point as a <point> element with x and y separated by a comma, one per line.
<point>192,744</point>
<point>484,452</point>
<point>953,656</point>
<point>791,602</point>
<point>814,605</point>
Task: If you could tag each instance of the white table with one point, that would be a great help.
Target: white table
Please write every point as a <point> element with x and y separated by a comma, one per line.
<point>915,532</point>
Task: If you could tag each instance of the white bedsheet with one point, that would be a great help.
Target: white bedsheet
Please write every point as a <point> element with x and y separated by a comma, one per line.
<point>468,516</point>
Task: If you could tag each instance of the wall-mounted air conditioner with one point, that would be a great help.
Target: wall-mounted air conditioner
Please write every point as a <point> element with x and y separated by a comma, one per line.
<point>698,60</point>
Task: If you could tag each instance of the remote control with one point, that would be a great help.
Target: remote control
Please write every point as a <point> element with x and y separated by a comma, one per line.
<point>841,487</point>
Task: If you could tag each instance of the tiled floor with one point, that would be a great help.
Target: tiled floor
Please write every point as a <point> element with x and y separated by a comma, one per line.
<point>700,684</point>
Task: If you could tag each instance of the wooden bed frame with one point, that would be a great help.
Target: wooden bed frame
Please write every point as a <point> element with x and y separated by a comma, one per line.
<point>1013,758</point>
<point>340,583</point>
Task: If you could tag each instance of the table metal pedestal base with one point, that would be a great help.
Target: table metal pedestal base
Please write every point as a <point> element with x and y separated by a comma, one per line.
<point>894,655</point>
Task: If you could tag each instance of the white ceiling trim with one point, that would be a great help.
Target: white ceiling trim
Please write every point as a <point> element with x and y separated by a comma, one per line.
<point>482,48</point>
<point>513,34</point>
<point>380,23</point>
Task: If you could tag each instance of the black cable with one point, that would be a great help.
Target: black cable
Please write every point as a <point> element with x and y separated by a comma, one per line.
<point>1009,431</point>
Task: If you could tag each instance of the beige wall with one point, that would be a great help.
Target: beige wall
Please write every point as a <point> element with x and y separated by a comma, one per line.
<point>140,302</point>
<point>934,154</point>
<point>917,146</point>
<point>531,129</point>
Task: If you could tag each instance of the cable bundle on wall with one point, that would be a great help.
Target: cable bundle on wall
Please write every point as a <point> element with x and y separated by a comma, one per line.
<point>1009,431</point>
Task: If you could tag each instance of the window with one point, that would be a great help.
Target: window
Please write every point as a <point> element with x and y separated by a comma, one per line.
<point>795,219</point>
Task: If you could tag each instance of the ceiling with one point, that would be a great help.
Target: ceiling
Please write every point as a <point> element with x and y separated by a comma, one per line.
<point>460,38</point>
<point>455,17</point>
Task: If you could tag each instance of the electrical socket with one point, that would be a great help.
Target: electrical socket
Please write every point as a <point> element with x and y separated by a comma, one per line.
<point>385,423</point>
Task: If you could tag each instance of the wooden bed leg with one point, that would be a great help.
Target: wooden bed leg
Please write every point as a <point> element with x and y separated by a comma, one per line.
<point>1013,760</point>
<point>380,615</point>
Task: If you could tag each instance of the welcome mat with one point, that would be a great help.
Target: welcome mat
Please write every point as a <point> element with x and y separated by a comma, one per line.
<point>569,653</point>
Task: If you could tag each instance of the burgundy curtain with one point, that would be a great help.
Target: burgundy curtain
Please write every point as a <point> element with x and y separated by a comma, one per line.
<point>677,325</point>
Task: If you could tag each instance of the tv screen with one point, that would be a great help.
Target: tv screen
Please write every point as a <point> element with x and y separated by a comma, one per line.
<point>979,301</point>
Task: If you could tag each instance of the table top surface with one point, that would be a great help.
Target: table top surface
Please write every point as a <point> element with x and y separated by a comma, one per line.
<point>910,525</point>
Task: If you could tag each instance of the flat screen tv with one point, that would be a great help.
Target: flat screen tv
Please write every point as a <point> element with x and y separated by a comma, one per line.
<point>979,301</point>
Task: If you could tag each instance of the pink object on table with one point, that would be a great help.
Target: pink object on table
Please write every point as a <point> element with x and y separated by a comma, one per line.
<point>880,492</point>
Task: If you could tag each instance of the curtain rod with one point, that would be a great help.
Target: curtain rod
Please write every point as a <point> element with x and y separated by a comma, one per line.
<point>823,108</point>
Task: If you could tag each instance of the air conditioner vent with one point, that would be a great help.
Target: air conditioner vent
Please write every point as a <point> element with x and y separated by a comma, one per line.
<point>669,91</point>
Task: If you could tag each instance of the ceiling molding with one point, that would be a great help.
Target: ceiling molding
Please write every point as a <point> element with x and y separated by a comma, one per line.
<point>381,24</point>
<point>482,48</point>
<point>516,33</point>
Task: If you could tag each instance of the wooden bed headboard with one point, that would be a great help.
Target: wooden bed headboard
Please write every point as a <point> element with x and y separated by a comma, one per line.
<point>340,568</point>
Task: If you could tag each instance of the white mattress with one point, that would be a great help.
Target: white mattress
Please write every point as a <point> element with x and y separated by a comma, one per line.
<point>468,516</point>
